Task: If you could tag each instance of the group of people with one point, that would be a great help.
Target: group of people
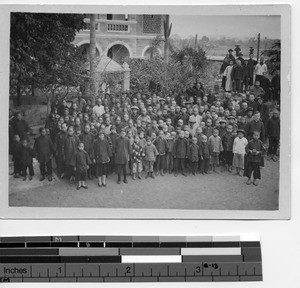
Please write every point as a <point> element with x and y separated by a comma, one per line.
<point>240,75</point>
<point>187,131</point>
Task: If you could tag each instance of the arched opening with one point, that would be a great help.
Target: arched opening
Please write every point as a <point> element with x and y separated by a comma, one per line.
<point>118,53</point>
<point>151,52</point>
<point>85,50</point>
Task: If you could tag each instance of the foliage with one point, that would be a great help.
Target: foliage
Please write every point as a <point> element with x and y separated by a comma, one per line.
<point>41,52</point>
<point>185,65</point>
<point>274,56</point>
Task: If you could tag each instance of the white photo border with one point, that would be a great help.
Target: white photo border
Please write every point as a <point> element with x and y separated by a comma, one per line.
<point>284,211</point>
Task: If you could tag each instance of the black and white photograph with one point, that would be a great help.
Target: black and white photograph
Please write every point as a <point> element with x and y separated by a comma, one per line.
<point>161,111</point>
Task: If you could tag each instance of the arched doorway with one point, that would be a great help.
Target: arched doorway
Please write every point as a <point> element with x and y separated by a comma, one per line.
<point>151,52</point>
<point>118,53</point>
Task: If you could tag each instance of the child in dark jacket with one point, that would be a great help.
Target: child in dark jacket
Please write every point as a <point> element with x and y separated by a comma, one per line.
<point>103,153</point>
<point>254,150</point>
<point>180,153</point>
<point>150,152</point>
<point>69,149</point>
<point>273,133</point>
<point>81,165</point>
<point>137,158</point>
<point>162,146</point>
<point>113,136</point>
<point>227,141</point>
<point>170,159</point>
<point>26,157</point>
<point>194,156</point>
<point>44,150</point>
<point>215,147</point>
<point>15,150</point>
<point>88,140</point>
<point>204,155</point>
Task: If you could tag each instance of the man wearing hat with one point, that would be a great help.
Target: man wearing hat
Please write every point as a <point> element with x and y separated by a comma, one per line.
<point>122,151</point>
<point>231,57</point>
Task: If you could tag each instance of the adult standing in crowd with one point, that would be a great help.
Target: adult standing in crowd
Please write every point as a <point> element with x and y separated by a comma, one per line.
<point>222,70</point>
<point>260,70</point>
<point>227,74</point>
<point>237,75</point>
<point>251,63</point>
<point>275,87</point>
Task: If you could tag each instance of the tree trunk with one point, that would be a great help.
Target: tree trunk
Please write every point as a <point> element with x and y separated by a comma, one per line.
<point>93,58</point>
<point>166,43</point>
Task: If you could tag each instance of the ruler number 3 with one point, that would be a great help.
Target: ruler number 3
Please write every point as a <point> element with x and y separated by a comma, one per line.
<point>198,269</point>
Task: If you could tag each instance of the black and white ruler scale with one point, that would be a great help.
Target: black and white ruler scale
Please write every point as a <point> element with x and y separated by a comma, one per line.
<point>130,259</point>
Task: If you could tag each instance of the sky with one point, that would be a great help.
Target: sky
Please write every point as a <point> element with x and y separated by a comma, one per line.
<point>229,26</point>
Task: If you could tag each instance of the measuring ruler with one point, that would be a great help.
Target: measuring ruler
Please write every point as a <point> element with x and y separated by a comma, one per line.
<point>129,259</point>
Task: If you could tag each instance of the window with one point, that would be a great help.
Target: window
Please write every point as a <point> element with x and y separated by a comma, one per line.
<point>109,17</point>
<point>152,24</point>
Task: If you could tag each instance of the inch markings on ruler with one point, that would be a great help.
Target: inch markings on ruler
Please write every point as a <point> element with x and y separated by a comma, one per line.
<point>129,259</point>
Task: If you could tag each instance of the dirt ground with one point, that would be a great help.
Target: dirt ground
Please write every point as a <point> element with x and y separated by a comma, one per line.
<point>213,191</point>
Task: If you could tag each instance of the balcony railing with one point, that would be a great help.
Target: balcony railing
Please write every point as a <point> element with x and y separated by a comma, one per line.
<point>117,27</point>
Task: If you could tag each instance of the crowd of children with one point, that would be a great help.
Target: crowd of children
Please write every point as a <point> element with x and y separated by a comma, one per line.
<point>186,131</point>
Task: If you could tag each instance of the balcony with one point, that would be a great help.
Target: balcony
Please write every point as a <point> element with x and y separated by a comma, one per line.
<point>104,26</point>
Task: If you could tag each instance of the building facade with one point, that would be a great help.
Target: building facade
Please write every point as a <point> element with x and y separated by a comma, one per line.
<point>120,36</point>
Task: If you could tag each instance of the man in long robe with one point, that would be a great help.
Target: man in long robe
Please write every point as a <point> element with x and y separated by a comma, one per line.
<point>227,74</point>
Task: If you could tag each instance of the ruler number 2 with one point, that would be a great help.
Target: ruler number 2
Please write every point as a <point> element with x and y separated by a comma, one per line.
<point>128,269</point>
